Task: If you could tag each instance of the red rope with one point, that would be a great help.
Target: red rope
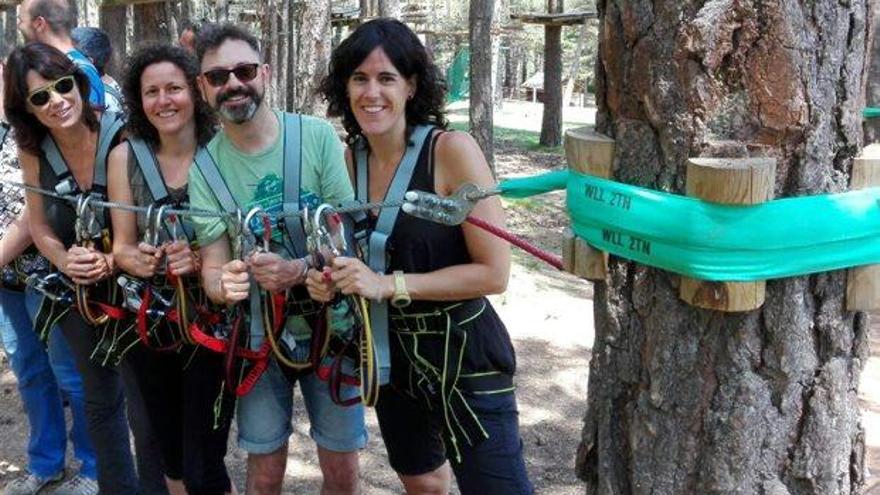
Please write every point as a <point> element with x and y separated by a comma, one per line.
<point>519,242</point>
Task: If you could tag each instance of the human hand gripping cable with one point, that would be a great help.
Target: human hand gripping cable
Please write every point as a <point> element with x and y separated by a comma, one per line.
<point>352,276</point>
<point>274,273</point>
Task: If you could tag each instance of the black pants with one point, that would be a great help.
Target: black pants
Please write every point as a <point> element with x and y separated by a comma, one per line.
<point>105,409</point>
<point>189,412</point>
<point>148,455</point>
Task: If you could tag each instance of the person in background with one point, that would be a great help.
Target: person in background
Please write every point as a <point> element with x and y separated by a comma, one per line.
<point>95,44</point>
<point>50,22</point>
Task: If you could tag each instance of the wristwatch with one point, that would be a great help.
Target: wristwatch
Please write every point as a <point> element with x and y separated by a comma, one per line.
<point>400,298</point>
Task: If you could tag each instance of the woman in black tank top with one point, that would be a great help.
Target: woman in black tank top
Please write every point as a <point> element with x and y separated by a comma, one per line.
<point>180,383</point>
<point>451,393</point>
<point>45,101</point>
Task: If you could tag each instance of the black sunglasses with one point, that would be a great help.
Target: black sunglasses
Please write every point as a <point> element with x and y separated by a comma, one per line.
<point>61,86</point>
<point>219,77</point>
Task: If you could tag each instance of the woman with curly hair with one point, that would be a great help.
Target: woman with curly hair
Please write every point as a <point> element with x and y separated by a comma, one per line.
<point>181,384</point>
<point>451,393</point>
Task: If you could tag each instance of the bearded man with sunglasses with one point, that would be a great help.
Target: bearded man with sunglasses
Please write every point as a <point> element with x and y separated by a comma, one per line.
<point>253,155</point>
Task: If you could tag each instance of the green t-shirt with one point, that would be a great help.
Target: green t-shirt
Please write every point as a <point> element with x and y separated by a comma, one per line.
<point>257,180</point>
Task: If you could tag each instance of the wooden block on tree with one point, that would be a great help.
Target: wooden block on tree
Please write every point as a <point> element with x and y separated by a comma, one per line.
<point>568,250</point>
<point>589,152</point>
<point>863,282</point>
<point>737,181</point>
<point>589,262</point>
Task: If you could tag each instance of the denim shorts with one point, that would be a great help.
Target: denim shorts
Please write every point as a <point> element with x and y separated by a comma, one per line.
<point>265,414</point>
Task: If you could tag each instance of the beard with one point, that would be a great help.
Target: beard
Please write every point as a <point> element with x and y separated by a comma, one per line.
<point>241,113</point>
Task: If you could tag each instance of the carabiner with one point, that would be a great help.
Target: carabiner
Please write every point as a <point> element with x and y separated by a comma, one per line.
<point>267,228</point>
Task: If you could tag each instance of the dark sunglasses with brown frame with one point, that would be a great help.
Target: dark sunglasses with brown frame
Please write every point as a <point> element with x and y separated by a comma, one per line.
<point>219,77</point>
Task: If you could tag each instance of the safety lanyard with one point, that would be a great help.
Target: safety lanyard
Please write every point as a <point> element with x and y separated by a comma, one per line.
<point>375,243</point>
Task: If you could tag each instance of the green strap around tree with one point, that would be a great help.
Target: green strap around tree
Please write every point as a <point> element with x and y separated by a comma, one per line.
<point>871,113</point>
<point>710,241</point>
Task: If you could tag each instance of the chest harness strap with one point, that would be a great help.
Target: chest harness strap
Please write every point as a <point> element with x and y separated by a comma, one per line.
<point>374,245</point>
<point>268,304</point>
<point>90,226</point>
<point>180,313</point>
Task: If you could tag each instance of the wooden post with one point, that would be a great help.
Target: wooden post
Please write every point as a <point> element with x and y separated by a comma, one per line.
<point>863,282</point>
<point>589,152</point>
<point>733,181</point>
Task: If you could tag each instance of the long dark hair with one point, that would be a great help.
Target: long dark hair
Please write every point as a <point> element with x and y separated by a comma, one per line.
<point>138,124</point>
<point>409,57</point>
<point>51,64</point>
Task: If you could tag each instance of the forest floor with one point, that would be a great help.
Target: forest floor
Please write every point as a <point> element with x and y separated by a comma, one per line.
<point>549,317</point>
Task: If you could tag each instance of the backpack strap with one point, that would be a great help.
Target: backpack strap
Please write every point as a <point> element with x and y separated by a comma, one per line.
<point>375,242</point>
<point>292,222</point>
<point>114,93</point>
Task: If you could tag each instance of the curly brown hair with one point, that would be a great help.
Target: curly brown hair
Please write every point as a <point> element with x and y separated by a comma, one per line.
<point>409,57</point>
<point>138,124</point>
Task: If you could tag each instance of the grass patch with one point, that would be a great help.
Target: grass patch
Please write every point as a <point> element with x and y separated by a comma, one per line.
<point>517,138</point>
<point>530,205</point>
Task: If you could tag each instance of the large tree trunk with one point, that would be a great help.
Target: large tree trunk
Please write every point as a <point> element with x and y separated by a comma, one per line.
<point>313,54</point>
<point>113,20</point>
<point>10,29</point>
<point>551,118</point>
<point>481,99</point>
<point>151,22</point>
<point>389,8</point>
<point>689,401</point>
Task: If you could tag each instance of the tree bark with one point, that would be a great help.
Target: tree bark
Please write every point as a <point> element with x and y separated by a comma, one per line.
<point>10,29</point>
<point>313,54</point>
<point>481,99</point>
<point>389,8</point>
<point>687,401</point>
<point>113,21</point>
<point>551,119</point>
<point>872,95</point>
<point>151,22</point>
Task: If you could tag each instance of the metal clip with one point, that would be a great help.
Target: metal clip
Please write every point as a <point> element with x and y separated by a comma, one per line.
<point>236,232</point>
<point>86,226</point>
<point>451,210</point>
<point>267,229</point>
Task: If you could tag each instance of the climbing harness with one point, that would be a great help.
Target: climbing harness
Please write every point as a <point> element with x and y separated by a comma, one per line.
<point>373,244</point>
<point>327,238</point>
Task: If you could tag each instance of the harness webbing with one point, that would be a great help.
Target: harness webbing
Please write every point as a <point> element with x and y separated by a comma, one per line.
<point>293,227</point>
<point>110,125</point>
<point>378,238</point>
<point>149,166</point>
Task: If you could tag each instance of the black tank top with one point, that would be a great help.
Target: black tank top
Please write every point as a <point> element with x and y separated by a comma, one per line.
<point>422,246</point>
<point>61,214</point>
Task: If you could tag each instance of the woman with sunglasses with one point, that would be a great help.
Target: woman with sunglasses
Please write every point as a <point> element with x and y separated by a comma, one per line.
<point>451,394</point>
<point>181,384</point>
<point>44,101</point>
